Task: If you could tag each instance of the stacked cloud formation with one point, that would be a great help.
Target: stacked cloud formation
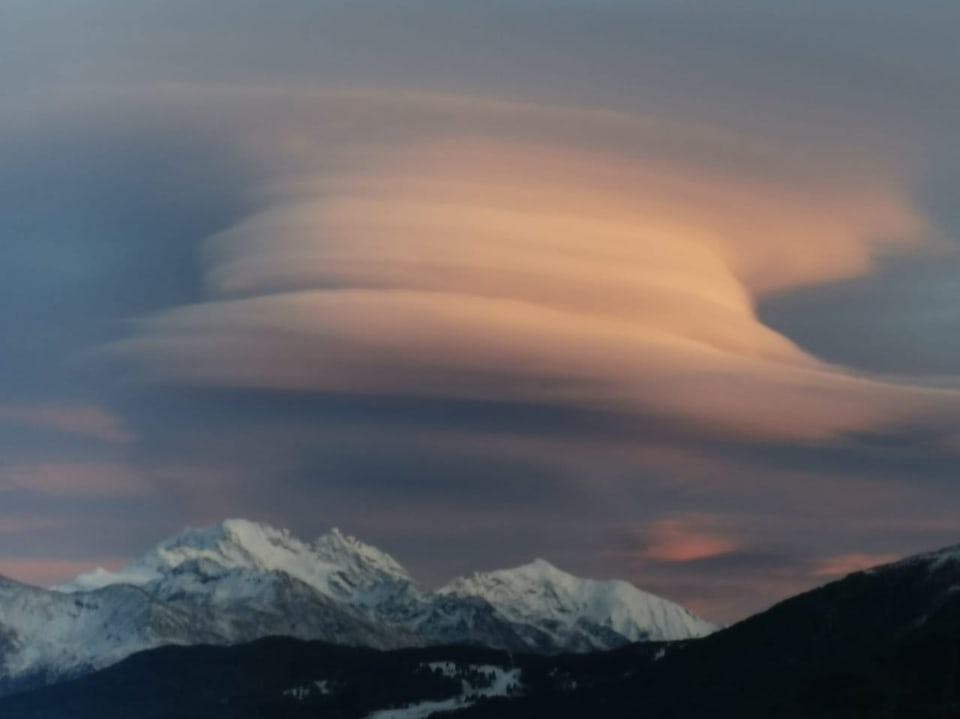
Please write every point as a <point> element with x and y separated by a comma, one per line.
<point>495,251</point>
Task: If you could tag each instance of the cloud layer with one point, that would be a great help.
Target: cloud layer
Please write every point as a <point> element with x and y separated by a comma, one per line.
<point>87,421</point>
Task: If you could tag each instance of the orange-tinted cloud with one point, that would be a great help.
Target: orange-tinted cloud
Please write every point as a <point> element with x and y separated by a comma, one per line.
<point>494,262</point>
<point>684,539</point>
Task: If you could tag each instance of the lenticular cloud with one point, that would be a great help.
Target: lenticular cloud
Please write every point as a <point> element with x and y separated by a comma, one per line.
<point>510,253</point>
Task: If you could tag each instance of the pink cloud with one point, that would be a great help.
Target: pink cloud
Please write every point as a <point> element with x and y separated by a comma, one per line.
<point>685,539</point>
<point>76,478</point>
<point>77,419</point>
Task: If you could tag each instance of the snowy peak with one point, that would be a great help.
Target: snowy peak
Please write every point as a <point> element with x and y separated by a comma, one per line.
<point>538,568</point>
<point>335,565</point>
<point>526,580</point>
<point>234,544</point>
<point>538,607</point>
<point>581,611</point>
<point>538,571</point>
<point>241,580</point>
<point>510,586</point>
<point>350,552</point>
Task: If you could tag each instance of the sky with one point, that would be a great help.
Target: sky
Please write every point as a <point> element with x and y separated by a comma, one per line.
<point>660,290</point>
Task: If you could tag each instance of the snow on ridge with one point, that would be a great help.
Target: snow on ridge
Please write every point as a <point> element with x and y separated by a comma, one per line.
<point>937,559</point>
<point>334,564</point>
<point>63,635</point>
<point>346,570</point>
<point>503,682</point>
<point>541,590</point>
<point>536,605</point>
<point>336,546</point>
<point>241,580</point>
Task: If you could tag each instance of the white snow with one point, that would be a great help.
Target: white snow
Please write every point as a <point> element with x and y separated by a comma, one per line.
<point>539,591</point>
<point>63,635</point>
<point>302,693</point>
<point>422,710</point>
<point>337,566</point>
<point>503,680</point>
<point>232,561</point>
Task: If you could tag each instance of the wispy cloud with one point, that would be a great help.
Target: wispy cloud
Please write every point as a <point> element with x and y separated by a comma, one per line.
<point>75,478</point>
<point>82,420</point>
<point>682,538</point>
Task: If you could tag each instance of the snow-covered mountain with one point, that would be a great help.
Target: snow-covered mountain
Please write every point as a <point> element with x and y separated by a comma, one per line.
<point>46,635</point>
<point>240,580</point>
<point>248,580</point>
<point>240,559</point>
<point>579,614</point>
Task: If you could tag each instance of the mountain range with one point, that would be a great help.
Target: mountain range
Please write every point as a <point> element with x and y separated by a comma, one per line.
<point>240,581</point>
<point>883,643</point>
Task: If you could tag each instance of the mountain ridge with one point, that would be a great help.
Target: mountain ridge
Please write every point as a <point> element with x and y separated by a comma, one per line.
<point>239,580</point>
<point>881,642</point>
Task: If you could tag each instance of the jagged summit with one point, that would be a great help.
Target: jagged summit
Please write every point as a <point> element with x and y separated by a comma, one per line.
<point>242,555</point>
<point>581,608</point>
<point>240,580</point>
<point>539,568</point>
<point>334,564</point>
<point>343,548</point>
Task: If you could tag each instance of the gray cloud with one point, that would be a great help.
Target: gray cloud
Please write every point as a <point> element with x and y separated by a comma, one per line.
<point>898,321</point>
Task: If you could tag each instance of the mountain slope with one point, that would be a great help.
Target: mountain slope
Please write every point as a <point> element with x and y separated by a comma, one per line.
<point>47,636</point>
